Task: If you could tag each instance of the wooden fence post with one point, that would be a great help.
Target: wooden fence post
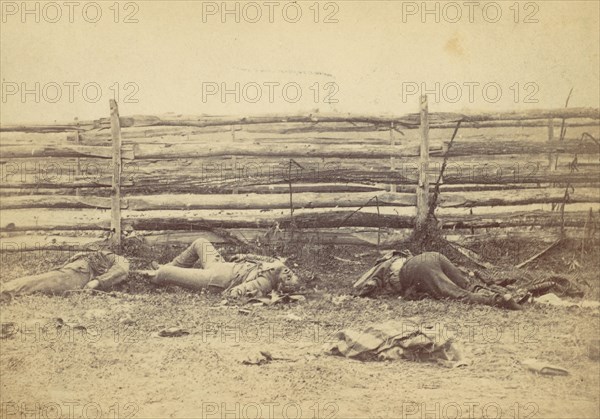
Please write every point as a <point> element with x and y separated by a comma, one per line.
<point>234,164</point>
<point>550,138</point>
<point>78,162</point>
<point>392,158</point>
<point>423,186</point>
<point>115,128</point>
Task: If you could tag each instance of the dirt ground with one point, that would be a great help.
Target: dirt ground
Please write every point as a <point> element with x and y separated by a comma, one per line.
<point>105,359</point>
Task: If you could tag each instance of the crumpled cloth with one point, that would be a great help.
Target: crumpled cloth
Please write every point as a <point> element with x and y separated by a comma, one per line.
<point>391,341</point>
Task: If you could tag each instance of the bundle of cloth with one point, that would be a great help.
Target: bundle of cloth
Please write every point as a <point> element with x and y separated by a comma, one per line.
<point>393,340</point>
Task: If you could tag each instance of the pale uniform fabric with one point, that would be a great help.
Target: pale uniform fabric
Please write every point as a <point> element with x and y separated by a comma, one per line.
<point>106,267</point>
<point>236,278</point>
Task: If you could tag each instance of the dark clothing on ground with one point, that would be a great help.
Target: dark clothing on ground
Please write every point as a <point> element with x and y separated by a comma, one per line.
<point>429,274</point>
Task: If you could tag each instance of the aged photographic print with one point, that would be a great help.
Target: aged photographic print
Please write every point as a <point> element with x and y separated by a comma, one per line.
<point>300,209</point>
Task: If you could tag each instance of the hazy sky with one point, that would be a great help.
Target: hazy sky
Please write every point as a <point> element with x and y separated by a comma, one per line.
<point>372,57</point>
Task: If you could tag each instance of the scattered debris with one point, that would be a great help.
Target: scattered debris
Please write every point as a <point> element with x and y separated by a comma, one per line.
<point>127,320</point>
<point>594,349</point>
<point>543,368</point>
<point>472,256</point>
<point>173,332</point>
<point>8,330</point>
<point>339,299</point>
<point>537,255</point>
<point>262,357</point>
<point>554,300</point>
<point>362,255</point>
<point>392,341</point>
<point>258,358</point>
<point>276,298</point>
<point>292,316</point>
<point>346,260</point>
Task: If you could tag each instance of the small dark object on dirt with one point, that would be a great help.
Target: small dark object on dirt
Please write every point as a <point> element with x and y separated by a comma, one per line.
<point>8,330</point>
<point>259,358</point>
<point>173,332</point>
<point>127,320</point>
<point>594,349</point>
<point>276,298</point>
<point>262,357</point>
<point>543,368</point>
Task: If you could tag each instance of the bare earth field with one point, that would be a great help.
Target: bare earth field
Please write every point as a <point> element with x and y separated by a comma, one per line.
<point>106,360</point>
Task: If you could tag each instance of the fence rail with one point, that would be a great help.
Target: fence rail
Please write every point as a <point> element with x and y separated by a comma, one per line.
<point>317,171</point>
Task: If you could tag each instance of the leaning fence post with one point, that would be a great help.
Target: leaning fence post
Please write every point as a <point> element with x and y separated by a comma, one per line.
<point>115,129</point>
<point>423,186</point>
<point>550,139</point>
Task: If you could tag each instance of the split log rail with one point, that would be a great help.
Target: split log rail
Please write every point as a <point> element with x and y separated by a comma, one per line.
<point>183,174</point>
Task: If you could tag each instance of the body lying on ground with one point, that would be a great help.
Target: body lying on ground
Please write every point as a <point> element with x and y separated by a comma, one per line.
<point>245,275</point>
<point>429,275</point>
<point>95,270</point>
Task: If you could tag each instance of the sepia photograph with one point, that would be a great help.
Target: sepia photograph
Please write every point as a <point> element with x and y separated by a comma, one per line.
<point>300,209</point>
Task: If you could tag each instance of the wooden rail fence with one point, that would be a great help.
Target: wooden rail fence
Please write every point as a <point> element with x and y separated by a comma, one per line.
<point>335,176</point>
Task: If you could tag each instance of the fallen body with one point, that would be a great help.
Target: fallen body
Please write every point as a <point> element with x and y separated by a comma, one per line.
<point>246,275</point>
<point>431,275</point>
<point>94,270</point>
